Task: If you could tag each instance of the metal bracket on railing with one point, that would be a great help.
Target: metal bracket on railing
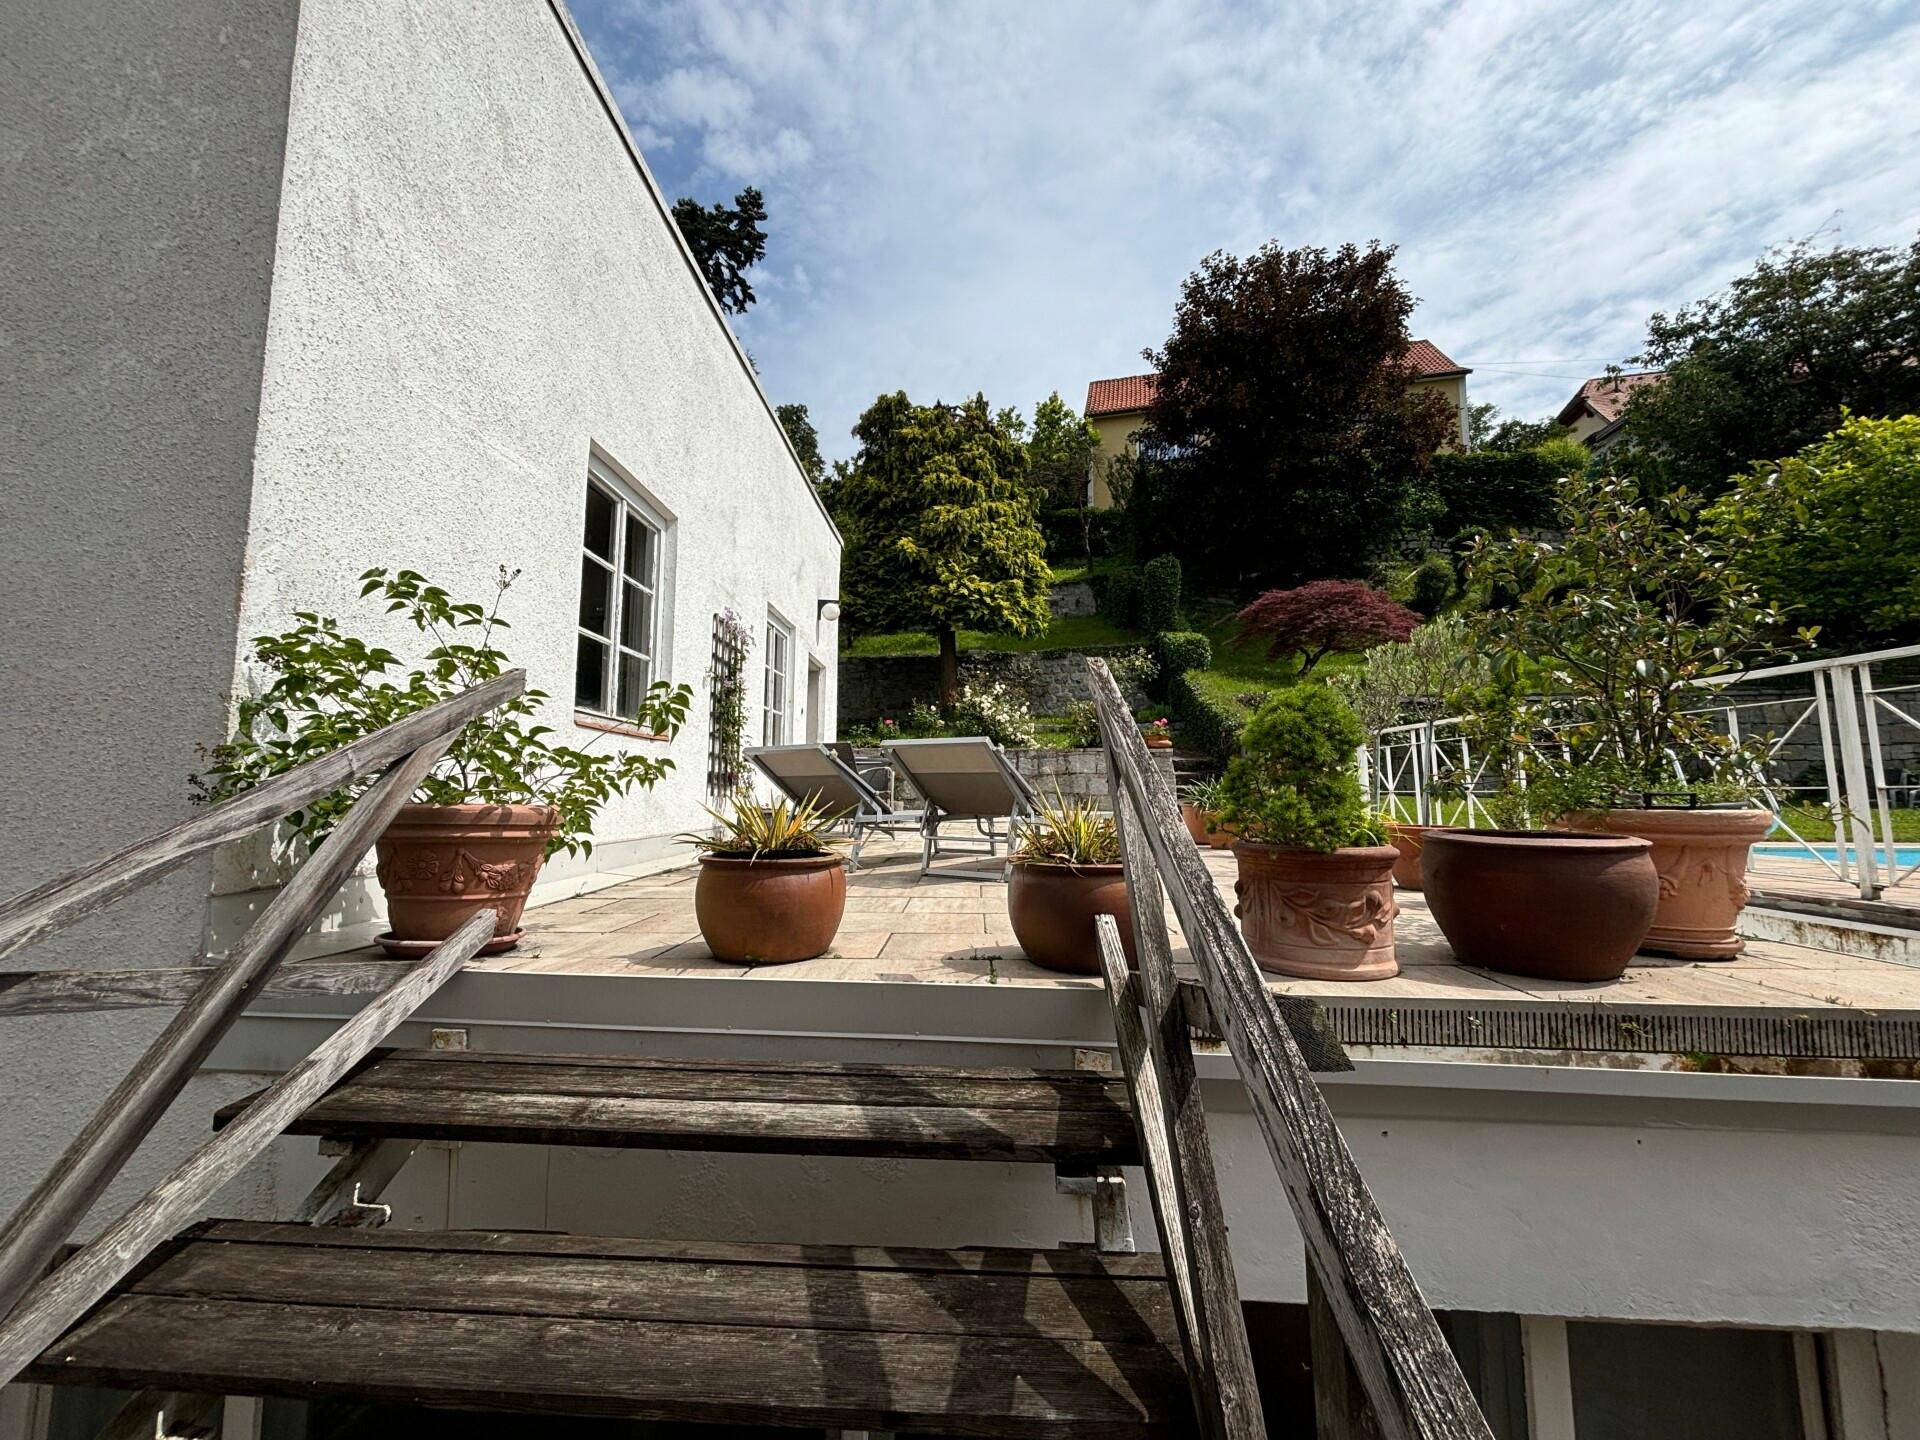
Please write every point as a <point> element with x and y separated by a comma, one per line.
<point>357,1207</point>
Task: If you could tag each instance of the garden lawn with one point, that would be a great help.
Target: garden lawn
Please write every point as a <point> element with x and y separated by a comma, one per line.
<point>1067,632</point>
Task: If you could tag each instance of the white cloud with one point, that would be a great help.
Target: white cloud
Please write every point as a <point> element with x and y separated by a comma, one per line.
<point>1006,197</point>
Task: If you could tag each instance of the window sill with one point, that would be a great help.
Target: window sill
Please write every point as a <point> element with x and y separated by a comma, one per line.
<point>587,720</point>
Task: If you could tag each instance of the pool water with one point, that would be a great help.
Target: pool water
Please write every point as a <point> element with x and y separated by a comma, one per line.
<point>1903,855</point>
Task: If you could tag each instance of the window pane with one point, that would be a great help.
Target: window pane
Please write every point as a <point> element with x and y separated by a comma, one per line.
<point>1680,1382</point>
<point>600,517</point>
<point>590,675</point>
<point>595,582</point>
<point>639,558</point>
<point>633,684</point>
<point>635,632</point>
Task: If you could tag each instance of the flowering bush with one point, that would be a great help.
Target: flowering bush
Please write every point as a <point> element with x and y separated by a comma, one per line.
<point>994,709</point>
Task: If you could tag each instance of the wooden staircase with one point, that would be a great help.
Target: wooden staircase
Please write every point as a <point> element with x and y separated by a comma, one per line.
<point>988,1342</point>
<point>996,1341</point>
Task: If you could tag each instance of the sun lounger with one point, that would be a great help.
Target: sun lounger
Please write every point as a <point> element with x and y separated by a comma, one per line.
<point>966,779</point>
<point>802,772</point>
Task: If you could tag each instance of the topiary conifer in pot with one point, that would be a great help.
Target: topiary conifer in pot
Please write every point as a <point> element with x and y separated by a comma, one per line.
<point>1316,878</point>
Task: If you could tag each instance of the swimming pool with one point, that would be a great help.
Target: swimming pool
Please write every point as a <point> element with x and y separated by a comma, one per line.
<point>1903,855</point>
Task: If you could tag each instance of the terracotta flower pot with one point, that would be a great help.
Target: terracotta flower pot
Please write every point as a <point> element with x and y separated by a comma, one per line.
<point>1563,905</point>
<point>769,912</point>
<point>1702,859</point>
<point>1407,839</point>
<point>1318,916</point>
<point>1158,742</point>
<point>1052,909</point>
<point>1195,821</point>
<point>442,864</point>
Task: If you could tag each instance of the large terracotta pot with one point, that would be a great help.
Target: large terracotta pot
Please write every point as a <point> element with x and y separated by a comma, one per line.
<point>1052,909</point>
<point>767,911</point>
<point>442,864</point>
<point>1318,916</point>
<point>1196,822</point>
<point>1407,839</point>
<point>1702,859</point>
<point>1562,905</point>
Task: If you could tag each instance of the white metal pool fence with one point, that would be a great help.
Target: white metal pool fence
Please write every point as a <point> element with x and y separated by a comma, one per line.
<point>1831,739</point>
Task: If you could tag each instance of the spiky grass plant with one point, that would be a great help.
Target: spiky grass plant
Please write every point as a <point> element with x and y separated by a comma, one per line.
<point>784,830</point>
<point>1070,832</point>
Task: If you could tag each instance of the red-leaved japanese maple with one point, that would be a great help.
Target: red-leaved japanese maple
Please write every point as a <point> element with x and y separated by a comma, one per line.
<point>1323,618</point>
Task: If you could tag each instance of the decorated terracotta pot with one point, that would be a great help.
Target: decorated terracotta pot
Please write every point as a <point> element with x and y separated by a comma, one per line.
<point>1701,858</point>
<point>1318,916</point>
<point>442,864</point>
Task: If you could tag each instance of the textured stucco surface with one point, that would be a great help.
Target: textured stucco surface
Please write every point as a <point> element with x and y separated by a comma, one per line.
<point>474,289</point>
<point>140,162</point>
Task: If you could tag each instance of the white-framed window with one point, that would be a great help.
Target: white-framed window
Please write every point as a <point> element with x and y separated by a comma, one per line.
<point>776,708</point>
<point>622,565</point>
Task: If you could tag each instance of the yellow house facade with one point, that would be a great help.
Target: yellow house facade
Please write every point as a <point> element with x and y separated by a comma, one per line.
<point>1117,408</point>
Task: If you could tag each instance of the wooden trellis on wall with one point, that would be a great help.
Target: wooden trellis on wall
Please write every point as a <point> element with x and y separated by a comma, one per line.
<point>726,689</point>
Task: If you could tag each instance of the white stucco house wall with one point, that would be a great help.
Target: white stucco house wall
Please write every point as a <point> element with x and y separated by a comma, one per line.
<point>297,289</point>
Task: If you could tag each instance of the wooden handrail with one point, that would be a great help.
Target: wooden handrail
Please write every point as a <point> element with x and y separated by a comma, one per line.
<point>123,1119</point>
<point>76,1286</point>
<point>1410,1376</point>
<point>39,912</point>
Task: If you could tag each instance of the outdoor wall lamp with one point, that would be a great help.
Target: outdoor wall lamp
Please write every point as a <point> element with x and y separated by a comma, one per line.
<point>829,611</point>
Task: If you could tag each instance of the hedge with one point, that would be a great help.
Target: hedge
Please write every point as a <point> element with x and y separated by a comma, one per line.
<point>1160,594</point>
<point>1182,650</point>
<point>1492,490</point>
<point>1073,532</point>
<point>1118,596</point>
<point>1207,713</point>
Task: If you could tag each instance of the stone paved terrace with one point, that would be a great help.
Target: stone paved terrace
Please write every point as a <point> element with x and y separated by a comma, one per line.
<point>900,929</point>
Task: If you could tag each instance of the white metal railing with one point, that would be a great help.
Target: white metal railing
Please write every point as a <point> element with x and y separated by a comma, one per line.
<point>1427,772</point>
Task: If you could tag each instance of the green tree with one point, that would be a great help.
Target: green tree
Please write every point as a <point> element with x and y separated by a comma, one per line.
<point>1833,533</point>
<point>806,440</point>
<point>1060,452</point>
<point>1764,368</point>
<point>1516,437</point>
<point>1284,443</point>
<point>940,526</point>
<point>727,241</point>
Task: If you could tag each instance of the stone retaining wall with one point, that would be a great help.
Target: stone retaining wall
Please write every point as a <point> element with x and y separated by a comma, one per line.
<point>873,687</point>
<point>1076,597</point>
<point>1075,774</point>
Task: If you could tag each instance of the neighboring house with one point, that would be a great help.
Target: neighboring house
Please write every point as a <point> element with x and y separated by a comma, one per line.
<point>1596,415</point>
<point>1117,408</point>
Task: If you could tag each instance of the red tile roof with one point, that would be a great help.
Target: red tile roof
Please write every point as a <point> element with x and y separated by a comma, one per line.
<point>1129,393</point>
<point>1607,395</point>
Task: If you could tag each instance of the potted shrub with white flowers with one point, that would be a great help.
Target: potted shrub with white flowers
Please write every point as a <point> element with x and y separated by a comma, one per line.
<point>1617,625</point>
<point>500,801</point>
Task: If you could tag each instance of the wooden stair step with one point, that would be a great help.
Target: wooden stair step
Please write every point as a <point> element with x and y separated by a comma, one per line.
<point>817,1108</point>
<point>1011,1342</point>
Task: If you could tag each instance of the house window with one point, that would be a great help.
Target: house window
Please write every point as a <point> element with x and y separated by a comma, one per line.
<point>620,584</point>
<point>777,704</point>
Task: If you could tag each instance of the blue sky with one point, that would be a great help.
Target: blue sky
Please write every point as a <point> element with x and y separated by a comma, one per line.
<point>1006,197</point>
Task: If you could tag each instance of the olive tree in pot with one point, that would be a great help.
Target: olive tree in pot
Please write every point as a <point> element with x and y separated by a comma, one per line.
<point>1316,880</point>
<point>772,888</point>
<point>1619,623</point>
<point>500,801</point>
<point>1066,871</point>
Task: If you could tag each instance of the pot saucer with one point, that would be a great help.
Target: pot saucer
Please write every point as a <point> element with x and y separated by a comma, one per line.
<point>414,949</point>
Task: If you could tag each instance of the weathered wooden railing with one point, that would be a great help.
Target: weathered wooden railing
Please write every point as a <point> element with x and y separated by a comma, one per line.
<point>1411,1381</point>
<point>406,750</point>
